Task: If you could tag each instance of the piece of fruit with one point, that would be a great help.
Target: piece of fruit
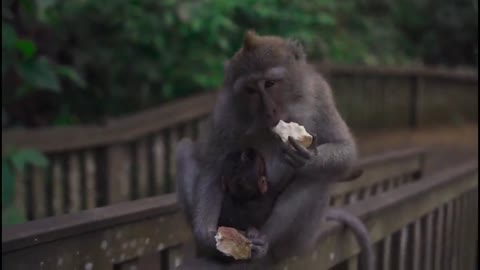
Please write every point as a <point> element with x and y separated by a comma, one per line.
<point>232,243</point>
<point>294,130</point>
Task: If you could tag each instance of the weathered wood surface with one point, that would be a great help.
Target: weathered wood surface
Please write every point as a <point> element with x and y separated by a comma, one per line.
<point>403,166</point>
<point>393,211</point>
<point>152,232</point>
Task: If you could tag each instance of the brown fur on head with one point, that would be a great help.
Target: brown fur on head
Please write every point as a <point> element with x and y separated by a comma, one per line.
<point>260,62</point>
<point>267,50</point>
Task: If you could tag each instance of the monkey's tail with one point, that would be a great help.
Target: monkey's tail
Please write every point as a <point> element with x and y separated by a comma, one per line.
<point>360,232</point>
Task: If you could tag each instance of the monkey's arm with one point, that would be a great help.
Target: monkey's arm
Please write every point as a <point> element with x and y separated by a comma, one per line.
<point>335,149</point>
<point>198,194</point>
<point>207,208</point>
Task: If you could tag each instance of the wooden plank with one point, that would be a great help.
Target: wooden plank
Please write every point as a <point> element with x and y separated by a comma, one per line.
<point>58,181</point>
<point>91,179</point>
<point>74,183</point>
<point>439,243</point>
<point>374,175</point>
<point>39,196</point>
<point>474,232</point>
<point>159,157</point>
<point>429,242</point>
<point>175,136</point>
<point>403,249</point>
<point>447,258</point>
<point>20,193</point>
<point>387,244</point>
<point>353,263</point>
<point>54,228</point>
<point>120,244</point>
<point>461,235</point>
<point>455,236</point>
<point>175,257</point>
<point>417,251</point>
<point>353,197</point>
<point>142,168</point>
<point>119,167</point>
<point>468,234</point>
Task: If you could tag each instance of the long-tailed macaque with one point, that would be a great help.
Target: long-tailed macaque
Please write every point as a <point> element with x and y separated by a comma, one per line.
<point>268,79</point>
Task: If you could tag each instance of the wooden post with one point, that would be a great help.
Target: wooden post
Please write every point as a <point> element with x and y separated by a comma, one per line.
<point>118,173</point>
<point>414,101</point>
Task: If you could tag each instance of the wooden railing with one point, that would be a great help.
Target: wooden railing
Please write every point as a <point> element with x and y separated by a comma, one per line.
<point>150,232</point>
<point>132,157</point>
<point>429,224</point>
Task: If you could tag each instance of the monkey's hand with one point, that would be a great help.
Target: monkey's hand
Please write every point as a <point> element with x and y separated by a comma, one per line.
<point>259,243</point>
<point>296,154</point>
<point>206,239</point>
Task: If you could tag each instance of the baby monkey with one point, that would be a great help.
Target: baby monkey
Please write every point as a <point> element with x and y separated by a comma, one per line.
<point>247,204</point>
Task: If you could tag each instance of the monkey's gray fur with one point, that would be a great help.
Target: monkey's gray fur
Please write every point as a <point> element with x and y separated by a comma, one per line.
<point>268,79</point>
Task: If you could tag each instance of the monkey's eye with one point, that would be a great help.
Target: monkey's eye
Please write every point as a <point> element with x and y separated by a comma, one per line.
<point>269,83</point>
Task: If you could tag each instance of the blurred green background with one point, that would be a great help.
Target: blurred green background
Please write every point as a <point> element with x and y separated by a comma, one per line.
<point>81,61</point>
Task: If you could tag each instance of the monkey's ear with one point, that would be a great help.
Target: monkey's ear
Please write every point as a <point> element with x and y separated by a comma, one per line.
<point>297,49</point>
<point>250,41</point>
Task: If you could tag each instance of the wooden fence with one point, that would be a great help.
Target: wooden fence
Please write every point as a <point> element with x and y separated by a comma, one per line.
<point>132,157</point>
<point>426,224</point>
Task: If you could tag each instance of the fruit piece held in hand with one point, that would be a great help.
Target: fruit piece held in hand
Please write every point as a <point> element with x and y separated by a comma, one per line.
<point>294,130</point>
<point>232,243</point>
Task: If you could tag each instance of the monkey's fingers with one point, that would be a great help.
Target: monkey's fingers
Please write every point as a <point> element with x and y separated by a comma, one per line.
<point>293,155</point>
<point>300,149</point>
<point>314,144</point>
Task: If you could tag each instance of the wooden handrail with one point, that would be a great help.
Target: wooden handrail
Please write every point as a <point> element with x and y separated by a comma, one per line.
<point>391,211</point>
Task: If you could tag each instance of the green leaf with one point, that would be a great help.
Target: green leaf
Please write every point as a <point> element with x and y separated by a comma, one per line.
<point>40,74</point>
<point>42,7</point>
<point>8,186</point>
<point>326,19</point>
<point>27,156</point>
<point>9,36</point>
<point>71,74</point>
<point>12,216</point>
<point>26,47</point>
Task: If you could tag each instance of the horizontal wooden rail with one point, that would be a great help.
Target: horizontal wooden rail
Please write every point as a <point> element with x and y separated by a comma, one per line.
<point>115,131</point>
<point>438,73</point>
<point>382,173</point>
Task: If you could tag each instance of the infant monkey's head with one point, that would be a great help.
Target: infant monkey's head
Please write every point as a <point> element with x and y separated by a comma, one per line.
<point>243,174</point>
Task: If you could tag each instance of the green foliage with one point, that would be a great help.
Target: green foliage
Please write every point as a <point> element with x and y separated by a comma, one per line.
<point>140,53</point>
<point>36,73</point>
<point>16,160</point>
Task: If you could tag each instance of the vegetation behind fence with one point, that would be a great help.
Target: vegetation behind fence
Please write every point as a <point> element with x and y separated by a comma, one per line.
<point>133,157</point>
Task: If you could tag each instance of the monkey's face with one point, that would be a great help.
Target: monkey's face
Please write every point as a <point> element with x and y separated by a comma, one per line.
<point>244,175</point>
<point>263,77</point>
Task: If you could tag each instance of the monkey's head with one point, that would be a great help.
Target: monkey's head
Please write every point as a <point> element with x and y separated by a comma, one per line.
<point>263,77</point>
<point>243,174</point>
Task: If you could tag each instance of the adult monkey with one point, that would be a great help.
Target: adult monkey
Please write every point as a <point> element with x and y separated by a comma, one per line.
<point>268,79</point>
